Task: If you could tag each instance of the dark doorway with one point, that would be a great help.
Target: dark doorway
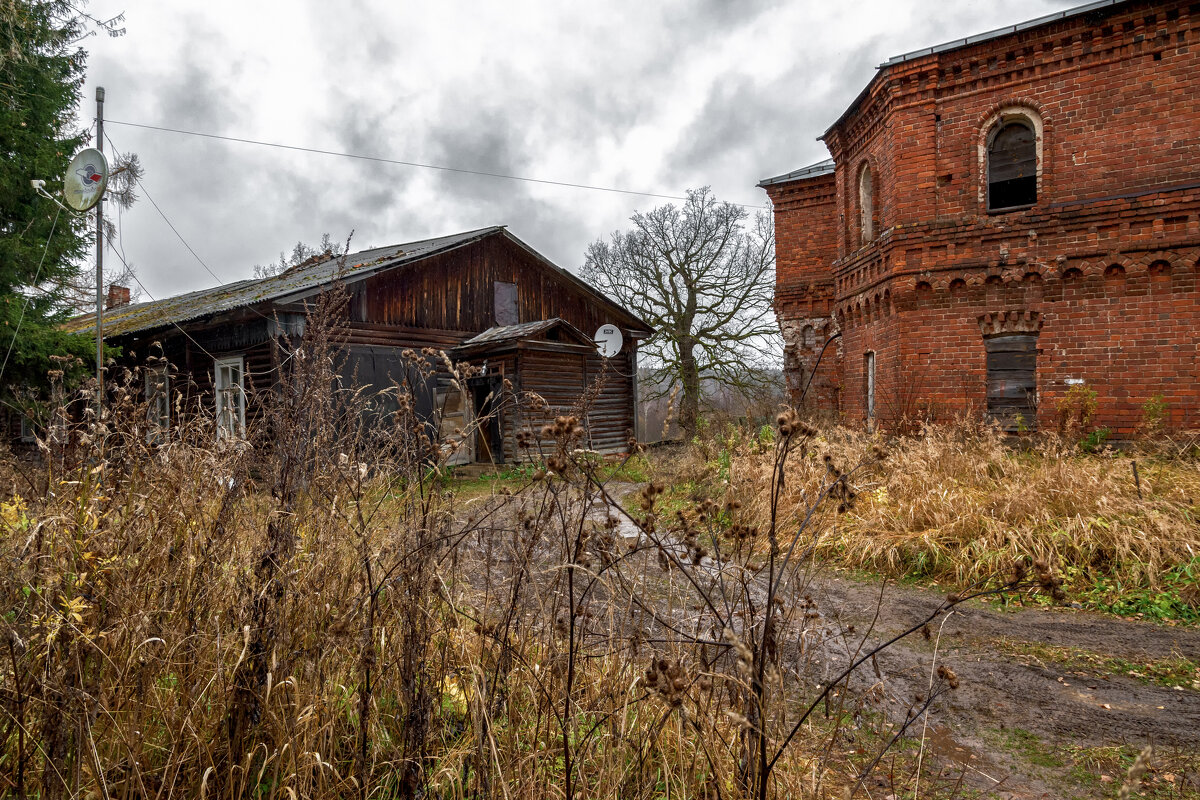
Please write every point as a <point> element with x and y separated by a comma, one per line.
<point>489,439</point>
<point>1012,381</point>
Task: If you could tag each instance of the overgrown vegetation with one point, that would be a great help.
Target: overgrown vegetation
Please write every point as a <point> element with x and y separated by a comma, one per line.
<point>1123,528</point>
<point>1108,772</point>
<point>312,612</point>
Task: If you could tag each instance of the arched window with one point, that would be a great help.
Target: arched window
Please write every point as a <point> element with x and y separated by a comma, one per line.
<point>1012,165</point>
<point>866,205</point>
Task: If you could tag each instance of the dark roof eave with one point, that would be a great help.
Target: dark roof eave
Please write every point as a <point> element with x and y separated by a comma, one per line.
<point>224,298</point>
<point>817,170</point>
<point>247,294</point>
<point>1000,32</point>
<point>866,90</point>
<point>968,41</point>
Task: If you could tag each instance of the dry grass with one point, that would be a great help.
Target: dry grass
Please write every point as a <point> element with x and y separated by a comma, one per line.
<point>308,612</point>
<point>958,503</point>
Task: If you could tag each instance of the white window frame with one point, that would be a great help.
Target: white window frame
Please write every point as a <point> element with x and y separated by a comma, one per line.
<point>869,382</point>
<point>28,433</point>
<point>231,422</point>
<point>158,400</point>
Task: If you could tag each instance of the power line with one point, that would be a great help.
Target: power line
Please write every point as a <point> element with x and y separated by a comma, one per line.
<point>170,225</point>
<point>153,299</point>
<point>37,274</point>
<point>403,163</point>
<point>129,270</point>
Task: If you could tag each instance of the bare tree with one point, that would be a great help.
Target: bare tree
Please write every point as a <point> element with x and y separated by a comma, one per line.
<point>704,279</point>
<point>301,253</point>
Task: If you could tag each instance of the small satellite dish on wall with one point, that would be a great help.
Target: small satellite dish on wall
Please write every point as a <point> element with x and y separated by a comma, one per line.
<point>86,177</point>
<point>608,340</point>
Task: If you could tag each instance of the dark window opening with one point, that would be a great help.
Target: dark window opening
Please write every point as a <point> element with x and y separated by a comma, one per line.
<point>1012,381</point>
<point>1012,167</point>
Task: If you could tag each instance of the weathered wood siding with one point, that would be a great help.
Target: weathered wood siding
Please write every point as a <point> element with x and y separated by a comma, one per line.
<point>610,421</point>
<point>437,303</point>
<point>455,291</point>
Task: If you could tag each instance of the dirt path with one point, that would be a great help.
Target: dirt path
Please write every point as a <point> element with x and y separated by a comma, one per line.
<point>1022,701</point>
<point>1038,687</point>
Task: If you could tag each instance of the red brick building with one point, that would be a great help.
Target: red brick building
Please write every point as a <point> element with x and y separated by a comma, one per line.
<point>1005,217</point>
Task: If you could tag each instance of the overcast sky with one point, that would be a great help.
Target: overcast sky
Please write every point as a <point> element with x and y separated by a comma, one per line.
<point>646,96</point>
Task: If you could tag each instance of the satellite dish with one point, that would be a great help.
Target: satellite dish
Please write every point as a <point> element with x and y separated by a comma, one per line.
<point>86,177</point>
<point>608,340</point>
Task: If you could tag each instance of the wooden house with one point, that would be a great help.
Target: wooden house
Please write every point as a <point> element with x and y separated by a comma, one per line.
<point>483,297</point>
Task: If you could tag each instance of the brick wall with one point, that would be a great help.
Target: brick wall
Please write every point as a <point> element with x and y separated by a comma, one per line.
<point>805,245</point>
<point>1103,268</point>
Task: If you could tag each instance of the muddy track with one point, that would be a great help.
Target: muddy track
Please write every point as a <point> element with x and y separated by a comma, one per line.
<point>999,691</point>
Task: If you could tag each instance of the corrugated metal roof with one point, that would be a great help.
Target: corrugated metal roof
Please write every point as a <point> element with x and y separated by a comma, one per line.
<point>506,334</point>
<point>942,48</point>
<point>999,32</point>
<point>502,333</point>
<point>967,42</point>
<point>295,282</point>
<point>811,171</point>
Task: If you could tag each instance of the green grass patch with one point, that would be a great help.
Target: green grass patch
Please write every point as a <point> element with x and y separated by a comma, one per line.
<point>1102,770</point>
<point>1175,598</point>
<point>512,477</point>
<point>1030,748</point>
<point>1168,672</point>
<point>1099,772</point>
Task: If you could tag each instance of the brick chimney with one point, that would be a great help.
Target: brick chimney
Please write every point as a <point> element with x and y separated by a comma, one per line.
<point>117,296</point>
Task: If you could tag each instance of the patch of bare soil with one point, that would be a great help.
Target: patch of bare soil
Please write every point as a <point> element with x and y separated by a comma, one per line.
<point>1025,719</point>
<point>1012,716</point>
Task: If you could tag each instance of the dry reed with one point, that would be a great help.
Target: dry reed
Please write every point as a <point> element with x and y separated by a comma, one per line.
<point>309,612</point>
<point>960,503</point>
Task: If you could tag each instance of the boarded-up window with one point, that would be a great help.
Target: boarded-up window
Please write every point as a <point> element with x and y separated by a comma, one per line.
<point>1012,381</point>
<point>866,205</point>
<point>1012,166</point>
<point>506,303</point>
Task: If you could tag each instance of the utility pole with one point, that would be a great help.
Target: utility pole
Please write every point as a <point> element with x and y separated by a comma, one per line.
<point>99,263</point>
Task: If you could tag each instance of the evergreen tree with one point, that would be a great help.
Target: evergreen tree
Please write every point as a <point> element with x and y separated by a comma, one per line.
<point>42,248</point>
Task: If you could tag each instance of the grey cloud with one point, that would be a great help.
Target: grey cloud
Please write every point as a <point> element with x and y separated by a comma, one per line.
<point>748,130</point>
<point>582,90</point>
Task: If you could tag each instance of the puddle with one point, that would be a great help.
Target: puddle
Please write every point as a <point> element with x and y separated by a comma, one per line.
<point>943,744</point>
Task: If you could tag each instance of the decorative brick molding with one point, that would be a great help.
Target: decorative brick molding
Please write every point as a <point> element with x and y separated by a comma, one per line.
<point>1104,267</point>
<point>1007,322</point>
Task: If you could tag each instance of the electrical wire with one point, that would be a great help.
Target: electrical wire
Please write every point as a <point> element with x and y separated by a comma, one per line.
<point>119,253</point>
<point>404,163</point>
<point>174,230</point>
<point>162,214</point>
<point>132,274</point>
<point>153,299</point>
<point>37,274</point>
